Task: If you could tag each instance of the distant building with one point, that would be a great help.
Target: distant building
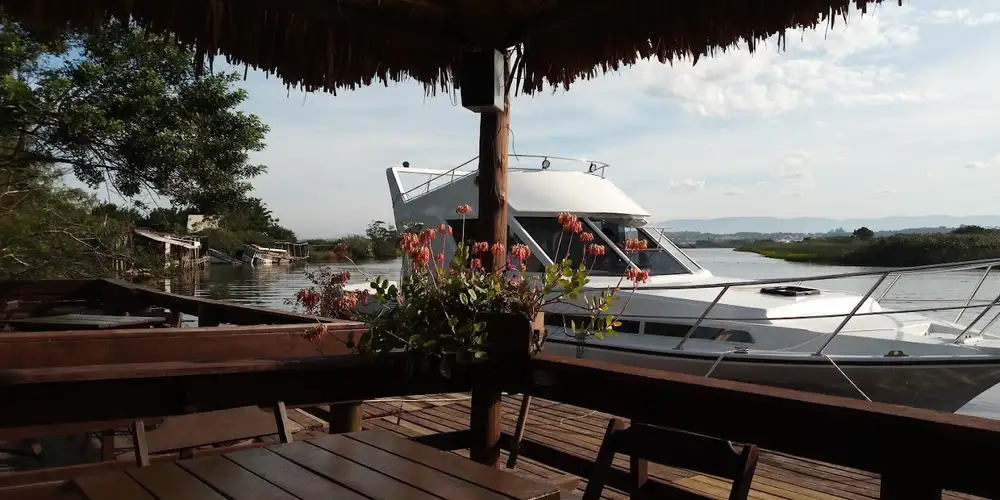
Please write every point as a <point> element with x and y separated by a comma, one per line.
<point>197,223</point>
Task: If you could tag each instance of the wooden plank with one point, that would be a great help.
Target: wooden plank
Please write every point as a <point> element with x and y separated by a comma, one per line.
<point>41,396</point>
<point>507,484</point>
<point>81,322</point>
<point>111,486</point>
<point>232,480</point>
<point>368,482</point>
<point>290,476</point>
<point>170,482</point>
<point>22,350</point>
<point>200,429</point>
<point>418,471</point>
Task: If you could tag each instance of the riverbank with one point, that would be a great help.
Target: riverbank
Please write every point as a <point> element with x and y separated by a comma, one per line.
<point>901,250</point>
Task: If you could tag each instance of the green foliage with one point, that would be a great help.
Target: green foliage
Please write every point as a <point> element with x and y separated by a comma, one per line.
<point>380,242</point>
<point>384,240</point>
<point>863,233</point>
<point>972,229</point>
<point>437,310</point>
<point>49,231</point>
<point>125,108</point>
<point>900,250</point>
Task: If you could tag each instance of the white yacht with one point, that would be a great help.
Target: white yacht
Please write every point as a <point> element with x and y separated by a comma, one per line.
<point>685,319</point>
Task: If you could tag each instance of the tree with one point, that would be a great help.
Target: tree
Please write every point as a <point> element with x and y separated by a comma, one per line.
<point>383,238</point>
<point>863,233</point>
<point>126,108</point>
<point>49,231</point>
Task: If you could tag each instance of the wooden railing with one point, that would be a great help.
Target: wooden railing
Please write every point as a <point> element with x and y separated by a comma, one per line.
<point>917,452</point>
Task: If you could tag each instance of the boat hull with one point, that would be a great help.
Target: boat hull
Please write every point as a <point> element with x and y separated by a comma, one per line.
<point>943,384</point>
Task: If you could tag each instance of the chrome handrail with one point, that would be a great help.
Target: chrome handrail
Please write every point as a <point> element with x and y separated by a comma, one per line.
<point>882,274</point>
<point>595,168</point>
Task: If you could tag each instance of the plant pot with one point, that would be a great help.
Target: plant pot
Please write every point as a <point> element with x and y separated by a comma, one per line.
<point>513,340</point>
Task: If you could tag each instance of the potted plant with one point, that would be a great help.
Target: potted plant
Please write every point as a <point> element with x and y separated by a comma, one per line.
<point>456,313</point>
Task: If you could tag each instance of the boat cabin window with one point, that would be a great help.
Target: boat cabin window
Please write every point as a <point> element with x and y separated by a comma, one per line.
<point>563,320</point>
<point>472,234</point>
<point>548,233</point>
<point>702,332</point>
<point>659,257</point>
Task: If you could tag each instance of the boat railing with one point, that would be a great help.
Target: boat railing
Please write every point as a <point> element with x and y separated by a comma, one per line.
<point>438,179</point>
<point>881,276</point>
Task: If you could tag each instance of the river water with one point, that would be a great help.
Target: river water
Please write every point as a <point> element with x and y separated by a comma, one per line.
<point>274,286</point>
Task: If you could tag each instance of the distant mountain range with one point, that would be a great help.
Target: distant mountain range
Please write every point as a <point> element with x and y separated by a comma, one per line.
<point>730,225</point>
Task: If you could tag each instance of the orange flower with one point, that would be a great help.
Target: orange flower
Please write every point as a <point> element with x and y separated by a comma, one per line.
<point>409,242</point>
<point>428,236</point>
<point>463,209</point>
<point>480,247</point>
<point>421,256</point>
<point>573,227</point>
<point>520,251</point>
<point>439,259</point>
<point>445,229</point>
<point>498,249</point>
<point>476,264</point>
<point>340,251</point>
<point>595,249</point>
<point>566,219</point>
<point>637,276</point>
<point>636,244</point>
<point>586,237</point>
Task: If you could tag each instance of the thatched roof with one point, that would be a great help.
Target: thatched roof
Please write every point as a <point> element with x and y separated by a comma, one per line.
<point>330,44</point>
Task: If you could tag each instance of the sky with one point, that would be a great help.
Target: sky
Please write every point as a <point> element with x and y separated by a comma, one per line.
<point>894,113</point>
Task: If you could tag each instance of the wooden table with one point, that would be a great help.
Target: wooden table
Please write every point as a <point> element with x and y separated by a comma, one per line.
<point>358,466</point>
<point>82,322</point>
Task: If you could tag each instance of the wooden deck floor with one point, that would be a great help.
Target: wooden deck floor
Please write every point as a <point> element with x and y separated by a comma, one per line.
<point>579,432</point>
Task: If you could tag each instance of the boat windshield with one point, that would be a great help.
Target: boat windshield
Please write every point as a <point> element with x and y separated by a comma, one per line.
<point>660,256</point>
<point>557,245</point>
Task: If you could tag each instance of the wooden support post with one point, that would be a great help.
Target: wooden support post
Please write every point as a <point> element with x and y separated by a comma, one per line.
<point>484,424</point>
<point>207,316</point>
<point>522,422</point>
<point>281,420</point>
<point>492,179</point>
<point>139,447</point>
<point>107,445</point>
<point>345,417</point>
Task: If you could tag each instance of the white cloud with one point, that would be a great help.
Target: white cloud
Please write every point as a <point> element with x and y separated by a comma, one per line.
<point>963,16</point>
<point>886,190</point>
<point>816,70</point>
<point>893,99</point>
<point>687,185</point>
<point>976,165</point>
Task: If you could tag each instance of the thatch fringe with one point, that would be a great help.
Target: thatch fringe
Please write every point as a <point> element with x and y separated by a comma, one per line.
<point>336,44</point>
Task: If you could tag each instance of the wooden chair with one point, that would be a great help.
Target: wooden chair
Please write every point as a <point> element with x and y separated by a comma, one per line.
<point>186,432</point>
<point>643,442</point>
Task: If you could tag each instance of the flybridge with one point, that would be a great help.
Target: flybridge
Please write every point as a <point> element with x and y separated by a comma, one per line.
<point>427,180</point>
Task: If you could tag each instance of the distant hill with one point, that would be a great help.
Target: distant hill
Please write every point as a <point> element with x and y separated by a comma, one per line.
<point>809,225</point>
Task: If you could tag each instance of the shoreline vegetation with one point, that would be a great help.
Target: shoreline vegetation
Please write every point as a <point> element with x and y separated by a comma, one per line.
<point>900,250</point>
<point>379,242</point>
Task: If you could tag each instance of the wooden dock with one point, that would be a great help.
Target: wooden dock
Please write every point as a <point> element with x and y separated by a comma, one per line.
<point>578,431</point>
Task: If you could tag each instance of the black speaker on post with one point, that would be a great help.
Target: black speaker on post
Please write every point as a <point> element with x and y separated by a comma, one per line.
<point>483,84</point>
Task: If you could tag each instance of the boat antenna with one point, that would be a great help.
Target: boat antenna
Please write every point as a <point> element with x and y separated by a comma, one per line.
<point>406,164</point>
<point>546,164</point>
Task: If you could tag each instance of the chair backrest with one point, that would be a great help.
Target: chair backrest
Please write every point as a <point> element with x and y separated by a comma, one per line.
<point>642,443</point>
